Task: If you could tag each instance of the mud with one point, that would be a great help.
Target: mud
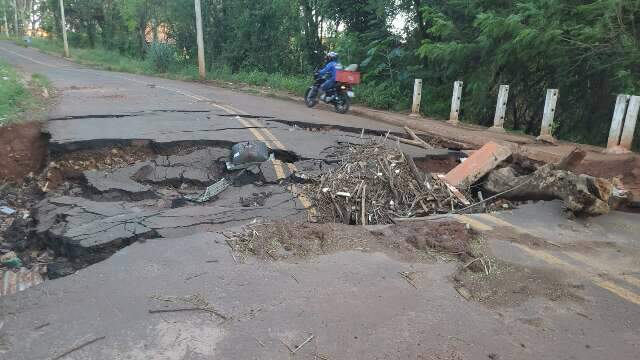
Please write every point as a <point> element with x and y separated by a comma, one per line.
<point>290,241</point>
<point>23,151</point>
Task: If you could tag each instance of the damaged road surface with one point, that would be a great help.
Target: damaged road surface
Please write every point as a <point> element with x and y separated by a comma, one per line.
<point>346,243</point>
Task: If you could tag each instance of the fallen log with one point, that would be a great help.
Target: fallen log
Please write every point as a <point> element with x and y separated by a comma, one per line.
<point>581,193</point>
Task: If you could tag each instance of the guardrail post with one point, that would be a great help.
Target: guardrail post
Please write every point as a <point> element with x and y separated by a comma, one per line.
<point>546,130</point>
<point>626,140</point>
<point>616,124</point>
<point>455,103</point>
<point>417,97</point>
<point>501,109</point>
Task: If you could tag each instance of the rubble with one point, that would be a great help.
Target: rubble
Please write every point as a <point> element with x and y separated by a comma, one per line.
<point>477,165</point>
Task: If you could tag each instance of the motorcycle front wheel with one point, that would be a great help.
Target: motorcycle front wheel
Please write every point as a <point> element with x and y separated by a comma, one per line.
<point>342,103</point>
<point>311,97</point>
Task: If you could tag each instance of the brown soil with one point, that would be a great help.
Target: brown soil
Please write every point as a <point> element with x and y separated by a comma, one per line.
<point>449,237</point>
<point>510,285</point>
<point>411,242</point>
<point>439,166</point>
<point>71,165</point>
<point>24,151</point>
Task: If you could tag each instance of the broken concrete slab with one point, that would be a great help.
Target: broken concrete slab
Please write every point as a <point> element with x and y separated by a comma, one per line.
<point>199,167</point>
<point>274,171</point>
<point>86,231</point>
<point>119,181</point>
<point>479,164</point>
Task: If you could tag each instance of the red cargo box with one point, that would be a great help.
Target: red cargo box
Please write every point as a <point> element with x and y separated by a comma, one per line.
<point>348,77</point>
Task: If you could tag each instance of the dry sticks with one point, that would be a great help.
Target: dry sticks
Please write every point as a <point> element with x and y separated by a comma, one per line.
<point>375,183</point>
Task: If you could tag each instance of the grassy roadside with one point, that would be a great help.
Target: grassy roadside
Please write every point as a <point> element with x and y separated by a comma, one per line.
<point>366,94</point>
<point>21,98</point>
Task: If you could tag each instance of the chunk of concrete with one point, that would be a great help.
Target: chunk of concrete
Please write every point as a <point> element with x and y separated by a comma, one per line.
<point>477,165</point>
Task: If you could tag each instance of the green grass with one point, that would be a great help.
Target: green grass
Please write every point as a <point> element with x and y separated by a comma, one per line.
<point>381,96</point>
<point>12,93</point>
<point>19,98</point>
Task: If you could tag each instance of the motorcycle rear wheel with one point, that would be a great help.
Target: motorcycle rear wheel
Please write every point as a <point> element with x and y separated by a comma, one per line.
<point>342,103</point>
<point>311,97</point>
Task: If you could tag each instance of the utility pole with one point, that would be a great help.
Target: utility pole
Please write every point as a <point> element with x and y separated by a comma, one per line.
<point>4,15</point>
<point>201,66</point>
<point>64,29</point>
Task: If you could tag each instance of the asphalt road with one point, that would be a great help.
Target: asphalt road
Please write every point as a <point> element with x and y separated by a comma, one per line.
<point>354,303</point>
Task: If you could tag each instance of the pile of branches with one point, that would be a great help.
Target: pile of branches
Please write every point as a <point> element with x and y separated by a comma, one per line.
<point>377,184</point>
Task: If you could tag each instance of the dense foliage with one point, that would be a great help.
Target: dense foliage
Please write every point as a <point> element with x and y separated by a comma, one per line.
<point>589,49</point>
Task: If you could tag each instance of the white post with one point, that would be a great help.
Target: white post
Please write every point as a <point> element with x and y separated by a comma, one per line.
<point>626,140</point>
<point>417,97</point>
<point>616,122</point>
<point>455,103</point>
<point>501,108</point>
<point>200,38</point>
<point>64,29</point>
<point>546,130</point>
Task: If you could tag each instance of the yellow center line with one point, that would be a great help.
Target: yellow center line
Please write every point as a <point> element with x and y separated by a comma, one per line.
<point>584,260</point>
<point>603,268</point>
<point>621,292</point>
<point>268,134</point>
<point>501,223</point>
<point>475,224</point>
<point>278,166</point>
<point>252,129</point>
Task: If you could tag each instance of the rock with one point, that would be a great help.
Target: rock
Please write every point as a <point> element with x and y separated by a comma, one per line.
<point>61,267</point>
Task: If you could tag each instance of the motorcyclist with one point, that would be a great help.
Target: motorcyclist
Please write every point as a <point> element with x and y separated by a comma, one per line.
<point>330,69</point>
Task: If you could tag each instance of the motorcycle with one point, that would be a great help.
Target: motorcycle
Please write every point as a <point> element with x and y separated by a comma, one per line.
<point>339,95</point>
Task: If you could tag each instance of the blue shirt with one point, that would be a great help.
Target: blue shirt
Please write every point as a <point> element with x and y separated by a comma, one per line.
<point>330,68</point>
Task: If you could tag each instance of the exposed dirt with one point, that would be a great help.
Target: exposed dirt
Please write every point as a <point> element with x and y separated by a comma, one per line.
<point>439,166</point>
<point>283,240</point>
<point>23,151</point>
<point>509,285</point>
<point>625,166</point>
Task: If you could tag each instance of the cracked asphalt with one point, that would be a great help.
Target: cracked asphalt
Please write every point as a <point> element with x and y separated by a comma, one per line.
<point>354,303</point>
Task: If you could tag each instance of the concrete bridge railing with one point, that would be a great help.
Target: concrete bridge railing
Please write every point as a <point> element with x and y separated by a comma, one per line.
<point>623,123</point>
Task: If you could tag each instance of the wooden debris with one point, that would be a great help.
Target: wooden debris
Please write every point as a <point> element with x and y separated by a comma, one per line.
<point>408,276</point>
<point>375,183</point>
<point>76,348</point>
<point>303,344</point>
<point>580,193</point>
